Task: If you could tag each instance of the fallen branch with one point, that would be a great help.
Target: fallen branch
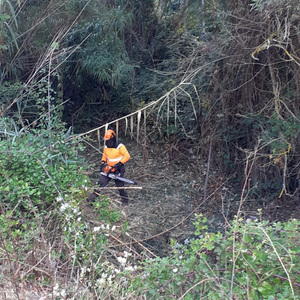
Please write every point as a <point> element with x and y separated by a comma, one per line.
<point>130,249</point>
<point>136,241</point>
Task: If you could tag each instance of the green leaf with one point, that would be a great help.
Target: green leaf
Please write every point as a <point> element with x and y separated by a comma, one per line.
<point>12,34</point>
<point>12,11</point>
<point>188,297</point>
<point>4,17</point>
<point>266,289</point>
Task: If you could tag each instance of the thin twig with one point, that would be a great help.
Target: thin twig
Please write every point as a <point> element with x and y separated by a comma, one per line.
<point>207,171</point>
<point>280,260</point>
<point>140,244</point>
<point>191,288</point>
<point>242,199</point>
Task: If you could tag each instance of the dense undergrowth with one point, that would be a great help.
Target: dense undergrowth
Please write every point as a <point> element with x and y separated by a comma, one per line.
<point>47,241</point>
<point>224,80</point>
<point>44,238</point>
<point>252,260</point>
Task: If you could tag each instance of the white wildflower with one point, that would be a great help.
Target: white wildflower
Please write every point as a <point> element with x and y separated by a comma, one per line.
<point>82,272</point>
<point>64,207</point>
<point>55,290</point>
<point>126,254</point>
<point>96,229</point>
<point>113,228</point>
<point>175,270</point>
<point>63,293</point>
<point>109,279</point>
<point>121,260</point>
<point>101,281</point>
<point>59,199</point>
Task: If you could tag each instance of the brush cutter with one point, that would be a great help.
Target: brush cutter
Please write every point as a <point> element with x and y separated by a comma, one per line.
<point>117,177</point>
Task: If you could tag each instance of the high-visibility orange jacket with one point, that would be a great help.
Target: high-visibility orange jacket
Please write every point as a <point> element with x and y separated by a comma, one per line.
<point>114,155</point>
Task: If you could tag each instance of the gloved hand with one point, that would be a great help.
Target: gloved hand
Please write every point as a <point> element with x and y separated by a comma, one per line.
<point>118,166</point>
<point>102,166</point>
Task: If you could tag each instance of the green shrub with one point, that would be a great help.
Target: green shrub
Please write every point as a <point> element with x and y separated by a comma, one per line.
<point>253,260</point>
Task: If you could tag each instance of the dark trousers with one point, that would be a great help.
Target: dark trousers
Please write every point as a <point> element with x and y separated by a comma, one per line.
<point>104,180</point>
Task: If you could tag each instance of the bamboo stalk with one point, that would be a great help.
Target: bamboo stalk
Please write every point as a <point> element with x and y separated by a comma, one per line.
<point>117,129</point>
<point>139,114</point>
<point>131,126</point>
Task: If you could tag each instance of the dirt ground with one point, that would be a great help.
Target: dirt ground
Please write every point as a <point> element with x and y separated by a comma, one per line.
<point>172,192</point>
<point>170,195</point>
<point>164,206</point>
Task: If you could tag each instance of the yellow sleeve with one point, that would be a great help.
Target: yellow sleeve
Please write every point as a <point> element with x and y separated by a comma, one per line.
<point>125,154</point>
<point>104,157</point>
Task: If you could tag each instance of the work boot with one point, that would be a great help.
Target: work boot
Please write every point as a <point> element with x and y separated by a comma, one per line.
<point>91,197</point>
<point>124,201</point>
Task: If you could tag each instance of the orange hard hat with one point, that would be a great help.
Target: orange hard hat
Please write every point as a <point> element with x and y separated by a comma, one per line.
<point>109,134</point>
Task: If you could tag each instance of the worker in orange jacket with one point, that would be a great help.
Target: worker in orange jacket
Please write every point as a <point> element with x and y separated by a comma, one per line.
<point>115,155</point>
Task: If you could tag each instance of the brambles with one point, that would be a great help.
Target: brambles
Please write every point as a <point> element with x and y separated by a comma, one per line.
<point>43,230</point>
<point>266,262</point>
